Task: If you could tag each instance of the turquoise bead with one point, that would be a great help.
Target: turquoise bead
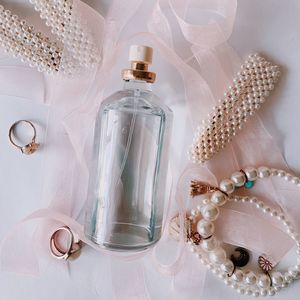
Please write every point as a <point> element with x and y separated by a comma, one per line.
<point>249,184</point>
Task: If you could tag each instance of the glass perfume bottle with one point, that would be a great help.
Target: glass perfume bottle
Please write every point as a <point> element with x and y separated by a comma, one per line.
<point>128,174</point>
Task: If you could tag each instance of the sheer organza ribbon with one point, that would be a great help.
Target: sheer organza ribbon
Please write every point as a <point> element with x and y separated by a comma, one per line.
<point>74,102</point>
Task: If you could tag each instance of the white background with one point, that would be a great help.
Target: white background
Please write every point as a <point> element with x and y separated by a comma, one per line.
<point>266,26</point>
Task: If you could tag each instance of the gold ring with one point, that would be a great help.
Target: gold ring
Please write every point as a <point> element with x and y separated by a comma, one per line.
<point>29,148</point>
<point>73,248</point>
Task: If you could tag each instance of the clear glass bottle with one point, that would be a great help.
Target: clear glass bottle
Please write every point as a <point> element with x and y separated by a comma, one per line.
<point>128,175</point>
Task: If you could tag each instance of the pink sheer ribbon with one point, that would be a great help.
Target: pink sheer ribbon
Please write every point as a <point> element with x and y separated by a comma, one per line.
<point>74,102</point>
<point>25,78</point>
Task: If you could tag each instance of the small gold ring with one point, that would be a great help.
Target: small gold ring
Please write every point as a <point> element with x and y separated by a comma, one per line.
<point>74,246</point>
<point>29,148</point>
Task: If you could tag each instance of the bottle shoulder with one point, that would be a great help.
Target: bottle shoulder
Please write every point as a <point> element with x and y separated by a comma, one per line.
<point>142,100</point>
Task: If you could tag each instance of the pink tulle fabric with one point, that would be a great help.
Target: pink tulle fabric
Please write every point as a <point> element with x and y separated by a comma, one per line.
<point>74,101</point>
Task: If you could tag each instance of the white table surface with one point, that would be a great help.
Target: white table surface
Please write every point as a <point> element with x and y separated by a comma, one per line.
<point>266,26</point>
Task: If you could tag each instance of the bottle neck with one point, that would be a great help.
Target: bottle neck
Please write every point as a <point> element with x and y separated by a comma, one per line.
<point>137,85</point>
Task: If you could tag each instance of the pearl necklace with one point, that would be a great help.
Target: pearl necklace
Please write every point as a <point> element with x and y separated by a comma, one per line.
<point>209,250</point>
<point>74,49</point>
<point>250,89</point>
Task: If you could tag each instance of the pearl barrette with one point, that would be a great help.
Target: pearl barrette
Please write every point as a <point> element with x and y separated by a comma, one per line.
<point>250,89</point>
<point>209,249</point>
<point>73,50</point>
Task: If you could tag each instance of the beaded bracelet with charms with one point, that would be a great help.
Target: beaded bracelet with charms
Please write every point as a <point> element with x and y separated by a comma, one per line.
<point>209,250</point>
<point>249,90</point>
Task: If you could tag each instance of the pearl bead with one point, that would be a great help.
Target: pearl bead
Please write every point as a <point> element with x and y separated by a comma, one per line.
<point>267,210</point>
<point>274,172</point>
<point>250,278</point>
<point>227,186</point>
<point>288,277</point>
<point>263,281</point>
<point>271,292</point>
<point>292,272</point>
<point>274,213</point>
<point>277,279</point>
<point>234,286</point>
<point>218,198</point>
<point>194,212</point>
<point>256,293</point>
<point>238,178</point>
<point>277,288</point>
<point>288,177</point>
<point>260,205</point>
<point>210,212</point>
<point>263,172</point>
<point>217,256</point>
<point>248,292</point>
<point>264,292</point>
<point>245,199</point>
<point>251,173</point>
<point>238,275</point>
<point>297,267</point>
<point>227,267</point>
<point>205,228</point>
<point>281,173</point>
<point>209,244</point>
<point>205,201</point>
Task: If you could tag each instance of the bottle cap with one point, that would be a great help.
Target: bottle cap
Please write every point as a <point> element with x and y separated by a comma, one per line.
<point>140,57</point>
<point>139,53</point>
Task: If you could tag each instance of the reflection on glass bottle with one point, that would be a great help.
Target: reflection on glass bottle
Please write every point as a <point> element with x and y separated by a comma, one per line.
<point>128,176</point>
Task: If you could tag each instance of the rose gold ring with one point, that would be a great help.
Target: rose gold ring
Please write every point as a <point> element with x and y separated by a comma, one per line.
<point>28,148</point>
<point>71,250</point>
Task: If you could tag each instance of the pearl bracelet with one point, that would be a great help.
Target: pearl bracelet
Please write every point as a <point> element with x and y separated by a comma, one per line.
<point>62,16</point>
<point>250,89</point>
<point>209,250</point>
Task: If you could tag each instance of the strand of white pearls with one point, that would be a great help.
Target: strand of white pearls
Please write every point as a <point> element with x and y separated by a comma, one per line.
<point>250,89</point>
<point>35,49</point>
<point>210,251</point>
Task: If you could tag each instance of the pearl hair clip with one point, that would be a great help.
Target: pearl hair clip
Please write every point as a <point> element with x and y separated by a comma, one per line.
<point>250,89</point>
<point>208,248</point>
<point>74,49</point>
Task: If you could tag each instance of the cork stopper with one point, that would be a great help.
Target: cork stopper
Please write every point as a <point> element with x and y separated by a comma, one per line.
<point>141,54</point>
<point>140,57</point>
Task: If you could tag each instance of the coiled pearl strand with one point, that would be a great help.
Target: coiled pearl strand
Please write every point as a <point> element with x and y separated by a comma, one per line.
<point>210,251</point>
